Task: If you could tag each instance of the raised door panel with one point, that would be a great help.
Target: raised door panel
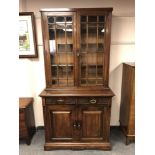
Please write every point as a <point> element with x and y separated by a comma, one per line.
<point>91,118</point>
<point>91,124</point>
<point>60,123</point>
<point>95,122</point>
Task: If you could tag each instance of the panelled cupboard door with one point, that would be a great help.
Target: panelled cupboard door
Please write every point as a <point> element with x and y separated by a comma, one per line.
<point>59,45</point>
<point>60,122</point>
<point>94,122</point>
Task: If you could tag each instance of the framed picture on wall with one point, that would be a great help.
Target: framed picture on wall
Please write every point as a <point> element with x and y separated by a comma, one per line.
<point>27,35</point>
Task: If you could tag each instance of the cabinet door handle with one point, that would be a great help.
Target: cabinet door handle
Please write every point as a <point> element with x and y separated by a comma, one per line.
<point>79,125</point>
<point>74,125</point>
<point>92,101</point>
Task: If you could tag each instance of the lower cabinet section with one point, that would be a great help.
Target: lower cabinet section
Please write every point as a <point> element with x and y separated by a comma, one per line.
<point>78,124</point>
<point>26,119</point>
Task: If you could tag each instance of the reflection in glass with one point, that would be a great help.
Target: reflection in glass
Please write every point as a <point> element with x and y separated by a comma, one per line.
<point>51,19</point>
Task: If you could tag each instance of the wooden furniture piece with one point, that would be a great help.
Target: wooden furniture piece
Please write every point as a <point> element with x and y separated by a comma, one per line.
<point>77,98</point>
<point>26,119</point>
<point>127,108</point>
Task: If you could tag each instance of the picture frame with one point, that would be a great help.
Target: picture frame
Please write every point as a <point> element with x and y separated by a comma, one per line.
<point>27,35</point>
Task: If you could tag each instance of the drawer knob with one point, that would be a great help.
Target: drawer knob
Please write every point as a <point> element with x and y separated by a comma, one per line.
<point>74,125</point>
<point>60,100</point>
<point>92,101</point>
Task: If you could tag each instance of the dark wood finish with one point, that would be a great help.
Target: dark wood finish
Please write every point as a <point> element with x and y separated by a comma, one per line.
<point>35,55</point>
<point>77,116</point>
<point>26,119</point>
<point>127,108</point>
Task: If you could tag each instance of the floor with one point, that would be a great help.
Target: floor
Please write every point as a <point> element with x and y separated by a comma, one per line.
<point>117,140</point>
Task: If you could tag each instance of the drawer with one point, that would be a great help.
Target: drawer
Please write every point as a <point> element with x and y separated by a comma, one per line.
<point>23,132</point>
<point>21,115</point>
<point>22,125</point>
<point>60,100</point>
<point>93,100</point>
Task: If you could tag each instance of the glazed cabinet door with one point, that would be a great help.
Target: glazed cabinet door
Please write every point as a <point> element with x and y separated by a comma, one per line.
<point>60,122</point>
<point>94,122</point>
<point>93,46</point>
<point>59,48</point>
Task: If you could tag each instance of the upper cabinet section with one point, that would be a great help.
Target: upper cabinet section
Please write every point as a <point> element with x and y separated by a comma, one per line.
<point>77,47</point>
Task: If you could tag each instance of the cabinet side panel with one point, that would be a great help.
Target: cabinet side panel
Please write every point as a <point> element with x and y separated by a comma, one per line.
<point>132,105</point>
<point>125,97</point>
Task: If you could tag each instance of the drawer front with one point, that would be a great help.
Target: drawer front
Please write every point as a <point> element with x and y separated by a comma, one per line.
<point>93,100</point>
<point>22,129</point>
<point>60,100</point>
<point>21,115</point>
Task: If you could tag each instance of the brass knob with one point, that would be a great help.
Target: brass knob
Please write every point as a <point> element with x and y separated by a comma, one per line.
<point>74,125</point>
<point>78,125</point>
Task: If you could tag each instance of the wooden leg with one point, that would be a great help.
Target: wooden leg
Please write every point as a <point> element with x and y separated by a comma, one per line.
<point>127,141</point>
<point>28,141</point>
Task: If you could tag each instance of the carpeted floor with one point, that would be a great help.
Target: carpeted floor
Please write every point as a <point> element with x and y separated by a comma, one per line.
<point>117,140</point>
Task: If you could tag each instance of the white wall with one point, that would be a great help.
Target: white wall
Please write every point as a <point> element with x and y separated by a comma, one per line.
<point>122,49</point>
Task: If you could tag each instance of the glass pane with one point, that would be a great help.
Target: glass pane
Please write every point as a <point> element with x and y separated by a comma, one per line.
<point>54,71</point>
<point>51,26</point>
<point>62,58</point>
<point>69,19</point>
<point>51,19</point>
<point>83,18</point>
<point>83,47</point>
<point>101,18</point>
<point>99,58</point>
<point>70,58</point>
<point>70,71</point>
<point>83,82</point>
<point>54,82</point>
<point>69,37</point>
<point>62,82</point>
<point>60,19</point>
<point>92,18</point>
<point>91,82</point>
<point>60,34</point>
<point>100,47</point>
<point>83,59</point>
<point>62,70</point>
<point>101,31</point>
<point>91,58</point>
<point>52,41</point>
<point>99,82</point>
<point>83,71</point>
<point>92,35</point>
<point>92,47</point>
<point>70,82</point>
<point>99,71</point>
<point>91,71</point>
<point>92,25</point>
<point>83,33</point>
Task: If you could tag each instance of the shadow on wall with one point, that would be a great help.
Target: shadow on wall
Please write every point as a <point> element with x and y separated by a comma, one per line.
<point>115,83</point>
